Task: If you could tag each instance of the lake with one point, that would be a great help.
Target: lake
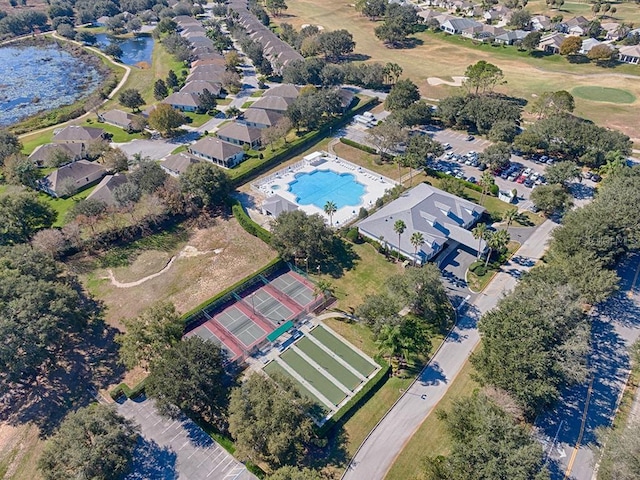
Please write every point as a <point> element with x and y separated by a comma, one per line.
<point>134,50</point>
<point>33,79</point>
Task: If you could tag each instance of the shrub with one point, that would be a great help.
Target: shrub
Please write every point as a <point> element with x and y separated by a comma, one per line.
<point>353,235</point>
<point>480,271</point>
<point>363,213</point>
<point>476,265</point>
<point>249,225</point>
<point>357,145</point>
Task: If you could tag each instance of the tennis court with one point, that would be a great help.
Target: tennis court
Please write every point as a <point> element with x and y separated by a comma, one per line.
<point>269,307</point>
<point>240,326</point>
<point>204,333</point>
<point>295,288</point>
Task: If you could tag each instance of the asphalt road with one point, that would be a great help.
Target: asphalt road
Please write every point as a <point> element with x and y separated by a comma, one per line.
<point>380,449</point>
<point>592,404</point>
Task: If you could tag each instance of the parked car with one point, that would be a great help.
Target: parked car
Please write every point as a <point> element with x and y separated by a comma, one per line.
<point>513,176</point>
<point>504,175</point>
<point>521,179</point>
<point>482,167</point>
<point>595,177</point>
<point>587,174</point>
<point>528,183</point>
<point>470,138</point>
<point>446,146</point>
<point>472,180</point>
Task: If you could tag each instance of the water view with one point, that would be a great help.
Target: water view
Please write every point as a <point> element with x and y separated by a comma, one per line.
<point>134,50</point>
<point>33,79</point>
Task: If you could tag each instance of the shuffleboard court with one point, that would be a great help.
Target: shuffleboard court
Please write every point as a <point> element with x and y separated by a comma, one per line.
<point>241,326</point>
<point>330,364</point>
<point>275,368</point>
<point>291,286</point>
<point>313,376</point>
<point>343,350</point>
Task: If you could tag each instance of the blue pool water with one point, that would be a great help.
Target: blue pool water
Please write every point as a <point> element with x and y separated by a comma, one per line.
<point>320,186</point>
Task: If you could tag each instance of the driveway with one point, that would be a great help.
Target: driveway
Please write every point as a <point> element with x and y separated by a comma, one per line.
<point>177,449</point>
<point>453,265</point>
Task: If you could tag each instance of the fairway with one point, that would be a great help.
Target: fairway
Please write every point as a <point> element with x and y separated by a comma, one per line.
<point>342,350</point>
<point>604,94</point>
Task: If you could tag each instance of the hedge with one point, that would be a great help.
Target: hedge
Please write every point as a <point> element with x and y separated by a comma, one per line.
<point>357,400</point>
<point>230,289</point>
<point>249,225</point>
<point>435,173</point>
<point>357,145</point>
<point>123,389</point>
<point>298,146</point>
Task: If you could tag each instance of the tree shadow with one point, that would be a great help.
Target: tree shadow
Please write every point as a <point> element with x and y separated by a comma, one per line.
<point>433,375</point>
<point>358,57</point>
<point>341,257</point>
<point>150,460</point>
<point>196,435</point>
<point>330,451</point>
<point>89,362</point>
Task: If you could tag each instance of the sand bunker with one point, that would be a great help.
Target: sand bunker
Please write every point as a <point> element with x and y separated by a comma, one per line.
<point>457,81</point>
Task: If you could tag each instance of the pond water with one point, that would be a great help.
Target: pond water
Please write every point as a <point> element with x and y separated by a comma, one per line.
<point>33,79</point>
<point>134,50</point>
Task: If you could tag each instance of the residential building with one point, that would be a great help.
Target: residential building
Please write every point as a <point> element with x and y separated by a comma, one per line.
<point>540,23</point>
<point>456,26</point>
<point>259,118</point>
<point>78,134</point>
<point>285,90</point>
<point>483,32</point>
<point>551,43</point>
<point>275,205</point>
<point>614,31</point>
<point>199,86</point>
<point>511,37</point>
<point>176,164</point>
<point>71,178</point>
<point>104,190</point>
<point>439,216</point>
<point>630,54</point>
<point>118,118</point>
<point>43,155</point>
<point>588,44</point>
<point>240,134</point>
<point>574,26</point>
<point>212,149</point>
<point>276,104</point>
<point>185,102</point>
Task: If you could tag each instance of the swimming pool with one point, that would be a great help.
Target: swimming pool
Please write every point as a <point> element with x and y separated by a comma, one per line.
<point>321,186</point>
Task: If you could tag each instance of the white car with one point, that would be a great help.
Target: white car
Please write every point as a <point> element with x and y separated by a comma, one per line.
<point>446,146</point>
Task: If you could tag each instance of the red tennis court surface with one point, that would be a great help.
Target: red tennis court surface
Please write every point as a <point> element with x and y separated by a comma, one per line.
<point>245,320</point>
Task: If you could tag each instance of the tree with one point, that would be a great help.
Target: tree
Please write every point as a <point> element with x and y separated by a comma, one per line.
<point>113,50</point>
<point>19,170</point>
<point>207,100</point>
<point>160,90</point>
<point>418,113</point>
<point>486,182</point>
<point>503,131</point>
<point>452,185</point>
<point>22,214</point>
<point>486,443</point>
<point>602,54</point>
<point>65,30</point>
<point>336,45</point>
<point>551,198</point>
<point>276,6</point>
<point>482,77</point>
<point>497,242</point>
<point>497,156</point>
<point>562,173</point>
<point>92,442</point>
<point>570,45</point>
<point>172,80</point>
<point>400,21</point>
<point>131,98</point>
<point>330,208</point>
<point>399,227</point>
<point>373,9</point>
<point>270,421</point>
<point>167,25</point>
<point>417,240</point>
<point>190,377</point>
<point>165,119</point>
<point>296,235</point>
<point>51,241</point>
<point>295,473</point>
<point>206,184</point>
<point>510,215</point>
<point>619,450</point>
<point>9,145</point>
<point>480,232</point>
<point>386,136</point>
<point>392,71</point>
<point>531,41</point>
<point>115,160</point>
<point>520,19</point>
<point>148,176</point>
<point>554,103</point>
<point>126,195</point>
<point>402,94</point>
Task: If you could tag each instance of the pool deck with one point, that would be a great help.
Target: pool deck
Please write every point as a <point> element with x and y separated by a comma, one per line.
<point>278,184</point>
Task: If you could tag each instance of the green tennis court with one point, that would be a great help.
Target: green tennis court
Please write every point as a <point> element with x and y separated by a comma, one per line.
<point>275,368</point>
<point>328,363</point>
<point>344,351</point>
<point>313,376</point>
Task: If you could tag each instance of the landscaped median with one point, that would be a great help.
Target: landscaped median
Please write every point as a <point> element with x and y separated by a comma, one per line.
<point>480,272</point>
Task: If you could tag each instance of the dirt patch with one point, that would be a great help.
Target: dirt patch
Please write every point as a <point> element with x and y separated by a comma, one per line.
<point>20,449</point>
<point>216,258</point>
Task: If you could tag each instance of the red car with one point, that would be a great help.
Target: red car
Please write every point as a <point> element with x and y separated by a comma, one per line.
<point>521,179</point>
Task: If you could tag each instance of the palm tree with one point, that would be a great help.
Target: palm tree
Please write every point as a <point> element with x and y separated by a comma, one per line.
<point>480,233</point>
<point>330,208</point>
<point>497,241</point>
<point>399,227</point>
<point>391,343</point>
<point>486,181</point>
<point>510,216</point>
<point>324,288</point>
<point>417,240</point>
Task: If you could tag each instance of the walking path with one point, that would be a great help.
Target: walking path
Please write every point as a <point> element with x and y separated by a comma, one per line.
<point>381,447</point>
<point>118,284</point>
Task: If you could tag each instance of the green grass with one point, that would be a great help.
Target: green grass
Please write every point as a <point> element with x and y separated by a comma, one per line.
<point>257,93</point>
<point>118,134</point>
<point>342,350</point>
<point>246,104</point>
<point>224,101</point>
<point>431,438</point>
<point>181,148</point>
<point>30,142</point>
<point>330,364</point>
<point>313,376</point>
<point>604,94</point>
<point>63,205</point>
<point>274,368</point>
<point>477,283</point>
<point>197,119</point>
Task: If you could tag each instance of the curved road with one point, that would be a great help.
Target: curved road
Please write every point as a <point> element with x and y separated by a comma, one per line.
<point>381,447</point>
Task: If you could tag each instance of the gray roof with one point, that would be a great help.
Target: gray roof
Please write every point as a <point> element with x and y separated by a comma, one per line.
<point>104,190</point>
<point>81,173</point>
<point>264,117</point>
<point>117,116</point>
<point>198,86</point>
<point>183,98</point>
<point>459,24</point>
<point>44,153</point>
<point>279,104</point>
<point>239,131</point>
<point>215,148</point>
<point>178,163</point>
<point>286,90</point>
<point>210,76</point>
<point>78,133</point>
<point>438,215</point>
<point>211,69</point>
<point>276,204</point>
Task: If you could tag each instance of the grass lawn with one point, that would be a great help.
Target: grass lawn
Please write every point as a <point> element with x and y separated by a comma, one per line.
<point>63,205</point>
<point>477,283</point>
<point>30,142</point>
<point>224,101</point>
<point>119,135</point>
<point>197,119</point>
<point>431,439</point>
<point>20,450</point>
<point>366,160</point>
<point>604,94</point>
<point>257,93</point>
<point>181,148</point>
<point>439,55</point>
<point>246,104</point>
